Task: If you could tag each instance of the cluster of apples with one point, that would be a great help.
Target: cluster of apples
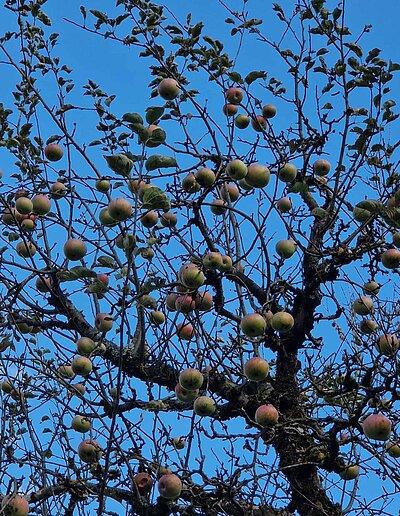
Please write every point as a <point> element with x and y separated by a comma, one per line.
<point>255,324</point>
<point>187,390</point>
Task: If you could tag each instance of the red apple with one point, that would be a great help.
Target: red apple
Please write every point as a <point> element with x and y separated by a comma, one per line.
<point>234,95</point>
<point>75,249</point>
<point>266,415</point>
<point>89,451</point>
<point>170,486</point>
<point>14,505</point>
<point>256,369</point>
<point>143,482</point>
<point>53,152</point>
<point>377,426</point>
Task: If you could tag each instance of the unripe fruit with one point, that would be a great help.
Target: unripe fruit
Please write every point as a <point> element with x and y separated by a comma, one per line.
<point>81,424</point>
<point>286,248</point>
<point>120,209</point>
<point>203,301</point>
<point>89,451</point>
<point>170,301</point>
<point>191,379</point>
<point>367,326</point>
<point>14,505</point>
<point>350,472</point>
<point>179,443</point>
<point>66,372</point>
<point>157,317</point>
<point>363,305</point>
<point>85,346</point>
<point>43,284</point>
<point>229,192</point>
<point>230,109</point>
<point>189,184</point>
<point>204,406</point>
<point>82,366</point>
<point>218,207</point>
<point>168,219</point>
<point>253,325</point>
<point>24,205</point>
<point>28,224</point>
<point>151,141</point>
<point>256,369</point>
<point>143,482</point>
<point>205,177</point>
<point>393,449</point>
<point>391,259</point>
<point>226,265</point>
<point>168,89</point>
<point>360,214</point>
<point>387,344</point>
<point>269,111</point>
<point>396,239</point>
<point>372,288</point>
<point>25,249</point>
<point>103,322</point>
<point>58,190</point>
<point>322,167</point>
<point>242,121</point>
<point>282,322</point>
<point>53,152</point>
<point>74,249</point>
<point>79,388</point>
<point>102,185</point>
<point>6,387</point>
<point>266,415</point>
<point>149,219</point>
<point>284,204</point>
<point>287,173</point>
<point>212,261</point>
<point>191,276</point>
<point>41,204</point>
<point>11,216</point>
<point>259,123</point>
<point>135,185</point>
<point>257,175</point>
<point>236,169</point>
<point>105,218</point>
<point>185,395</point>
<point>170,486</point>
<point>377,426</point>
<point>234,95</point>
<point>185,303</point>
<point>185,331</point>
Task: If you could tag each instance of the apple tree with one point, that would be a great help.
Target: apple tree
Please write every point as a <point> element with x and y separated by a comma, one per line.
<point>199,281</point>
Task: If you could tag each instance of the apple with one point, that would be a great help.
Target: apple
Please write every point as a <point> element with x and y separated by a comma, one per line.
<point>257,175</point>
<point>81,424</point>
<point>229,192</point>
<point>170,301</point>
<point>14,505</point>
<point>191,276</point>
<point>361,215</point>
<point>227,265</point>
<point>85,346</point>
<point>147,301</point>
<point>367,326</point>
<point>120,209</point>
<point>234,95</point>
<point>212,261</point>
<point>217,207</point>
<point>103,278</point>
<point>11,216</point>
<point>372,288</point>
<point>203,301</point>
<point>105,218</point>
<point>179,443</point>
<point>284,204</point>
<point>256,369</point>
<point>185,303</point>
<point>143,189</point>
<point>53,152</point>
<point>24,205</point>
<point>230,109</point>
<point>103,322</point>
<point>322,167</point>
<point>387,344</point>
<point>74,249</point>
<point>168,219</point>
<point>242,121</point>
<point>170,486</point>
<point>287,173</point>
<point>58,190</point>
<point>269,111</point>
<point>204,406</point>
<point>102,185</point>
<point>184,394</point>
<point>393,449</point>
<point>6,387</point>
<point>396,239</point>
<point>191,379</point>
<point>82,366</point>
<point>23,328</point>
<point>79,388</point>
<point>236,169</point>
<point>377,426</point>
<point>282,322</point>
<point>28,223</point>
<point>25,249</point>
<point>363,305</point>
<point>253,325</point>
<point>143,482</point>
<point>286,248</point>
<point>43,284</point>
<point>168,89</point>
<point>135,185</point>
<point>350,472</point>
<point>149,142</point>
<point>190,184</point>
<point>185,331</point>
<point>390,259</point>
<point>157,317</point>
<point>89,451</point>
<point>259,123</point>
<point>149,219</point>
<point>66,372</point>
<point>205,177</point>
<point>266,415</point>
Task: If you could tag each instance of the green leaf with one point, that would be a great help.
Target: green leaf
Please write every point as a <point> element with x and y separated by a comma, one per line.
<point>132,118</point>
<point>355,48</point>
<point>106,261</point>
<point>76,273</point>
<point>155,199</point>
<point>120,164</point>
<point>253,76</point>
<point>153,113</point>
<point>158,161</point>
<point>101,16</point>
